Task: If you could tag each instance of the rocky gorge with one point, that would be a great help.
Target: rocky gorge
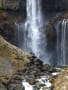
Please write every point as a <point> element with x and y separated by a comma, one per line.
<point>18,66</point>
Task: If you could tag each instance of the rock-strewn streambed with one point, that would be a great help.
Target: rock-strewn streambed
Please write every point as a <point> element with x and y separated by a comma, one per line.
<point>39,76</point>
<point>20,70</point>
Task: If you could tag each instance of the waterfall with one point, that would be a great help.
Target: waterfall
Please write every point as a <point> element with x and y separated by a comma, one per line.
<point>63,40</point>
<point>36,38</point>
<point>33,25</point>
<point>31,36</point>
<point>62,43</point>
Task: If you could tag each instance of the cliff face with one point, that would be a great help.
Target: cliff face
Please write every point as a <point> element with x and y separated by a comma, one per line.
<point>12,4</point>
<point>55,5</point>
<point>48,5</point>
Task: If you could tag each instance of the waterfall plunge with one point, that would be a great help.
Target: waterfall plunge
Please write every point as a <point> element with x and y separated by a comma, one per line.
<point>33,38</point>
<point>62,44</point>
<point>34,24</point>
<point>36,38</point>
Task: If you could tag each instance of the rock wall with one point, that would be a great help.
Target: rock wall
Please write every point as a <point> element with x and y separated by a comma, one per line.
<point>47,5</point>
<point>55,5</point>
<point>7,25</point>
<point>12,4</point>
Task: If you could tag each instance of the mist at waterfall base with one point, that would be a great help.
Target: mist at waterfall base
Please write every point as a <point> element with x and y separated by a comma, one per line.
<point>24,42</point>
<point>31,36</point>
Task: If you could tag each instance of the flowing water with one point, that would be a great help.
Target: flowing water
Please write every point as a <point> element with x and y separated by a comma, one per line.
<point>42,81</point>
<point>63,40</point>
<point>33,26</point>
<point>62,45</point>
<point>31,36</point>
<point>36,38</point>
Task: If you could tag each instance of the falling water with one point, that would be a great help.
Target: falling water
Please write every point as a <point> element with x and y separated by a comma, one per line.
<point>62,44</point>
<point>34,25</point>
<point>36,38</point>
<point>63,39</point>
<point>32,38</point>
